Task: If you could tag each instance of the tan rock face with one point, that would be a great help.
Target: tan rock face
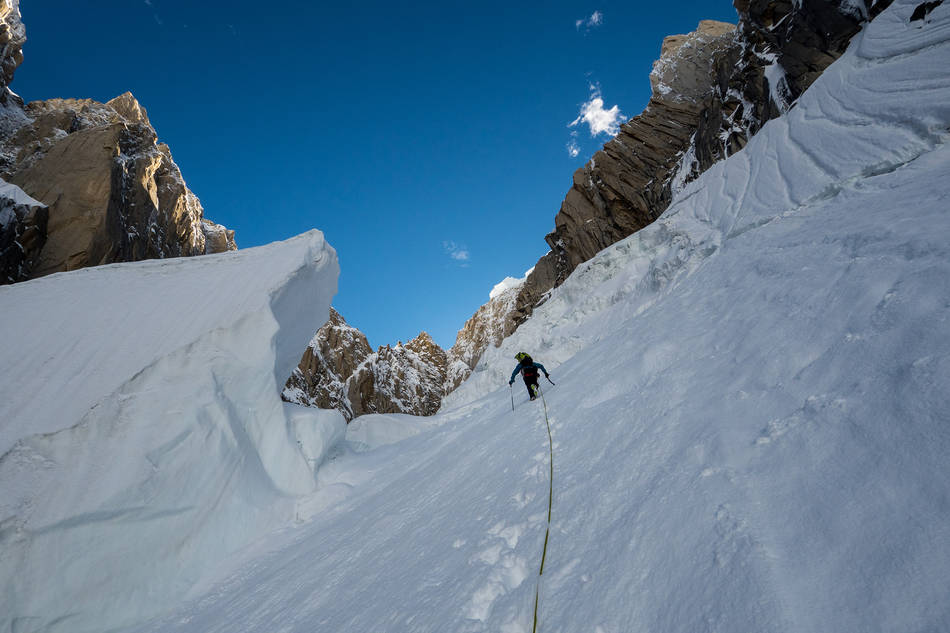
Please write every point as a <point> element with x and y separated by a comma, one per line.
<point>114,193</point>
<point>682,73</point>
<point>340,371</point>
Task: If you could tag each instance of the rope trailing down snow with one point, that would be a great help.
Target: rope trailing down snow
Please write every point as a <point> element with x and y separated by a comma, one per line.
<point>547,531</point>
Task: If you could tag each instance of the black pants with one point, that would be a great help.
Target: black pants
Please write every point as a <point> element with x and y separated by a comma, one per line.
<point>531,382</point>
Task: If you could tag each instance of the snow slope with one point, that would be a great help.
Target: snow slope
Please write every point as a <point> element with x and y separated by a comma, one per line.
<point>141,429</point>
<point>750,422</point>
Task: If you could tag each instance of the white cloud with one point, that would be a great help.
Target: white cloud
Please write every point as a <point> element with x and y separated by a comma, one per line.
<point>596,19</point>
<point>458,252</point>
<point>600,120</point>
<point>572,147</point>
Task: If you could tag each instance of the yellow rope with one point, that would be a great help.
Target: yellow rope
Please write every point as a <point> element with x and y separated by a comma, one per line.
<point>547,532</point>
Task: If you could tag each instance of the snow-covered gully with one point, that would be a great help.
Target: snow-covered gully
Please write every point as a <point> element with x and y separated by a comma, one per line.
<point>749,422</point>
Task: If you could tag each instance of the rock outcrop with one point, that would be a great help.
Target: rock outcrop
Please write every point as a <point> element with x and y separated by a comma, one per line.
<point>401,379</point>
<point>490,325</point>
<point>336,351</point>
<point>712,90</point>
<point>339,370</point>
<point>22,233</point>
<point>113,191</point>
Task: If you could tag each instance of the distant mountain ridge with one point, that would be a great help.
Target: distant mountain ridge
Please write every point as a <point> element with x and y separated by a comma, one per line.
<point>713,89</point>
<point>339,370</point>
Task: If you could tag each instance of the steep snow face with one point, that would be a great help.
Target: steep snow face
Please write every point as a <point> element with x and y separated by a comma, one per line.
<point>141,429</point>
<point>750,420</point>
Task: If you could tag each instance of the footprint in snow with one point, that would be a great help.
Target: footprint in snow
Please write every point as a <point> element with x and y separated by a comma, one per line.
<point>507,570</point>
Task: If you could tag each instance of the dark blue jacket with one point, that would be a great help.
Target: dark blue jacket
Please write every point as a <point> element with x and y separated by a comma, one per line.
<point>520,367</point>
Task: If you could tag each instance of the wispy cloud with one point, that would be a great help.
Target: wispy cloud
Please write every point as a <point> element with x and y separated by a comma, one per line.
<point>596,19</point>
<point>572,147</point>
<point>456,251</point>
<point>599,119</point>
<point>151,5</point>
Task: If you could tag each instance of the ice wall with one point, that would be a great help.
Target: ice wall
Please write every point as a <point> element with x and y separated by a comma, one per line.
<point>142,435</point>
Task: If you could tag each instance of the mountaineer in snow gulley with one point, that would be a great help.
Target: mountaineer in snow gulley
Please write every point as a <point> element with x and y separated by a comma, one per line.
<point>529,370</point>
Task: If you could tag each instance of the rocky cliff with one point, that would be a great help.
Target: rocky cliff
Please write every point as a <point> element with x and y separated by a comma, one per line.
<point>112,190</point>
<point>490,325</point>
<point>712,90</point>
<point>323,375</point>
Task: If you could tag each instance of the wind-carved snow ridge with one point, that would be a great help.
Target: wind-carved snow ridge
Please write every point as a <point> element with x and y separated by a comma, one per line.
<point>157,442</point>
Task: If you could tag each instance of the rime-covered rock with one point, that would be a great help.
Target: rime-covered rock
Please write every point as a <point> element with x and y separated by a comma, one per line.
<point>339,370</point>
<point>22,232</point>
<point>334,353</point>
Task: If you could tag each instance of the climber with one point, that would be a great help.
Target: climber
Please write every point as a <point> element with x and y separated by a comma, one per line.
<point>529,370</point>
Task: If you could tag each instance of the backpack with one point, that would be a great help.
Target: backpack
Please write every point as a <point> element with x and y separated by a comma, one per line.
<point>528,369</point>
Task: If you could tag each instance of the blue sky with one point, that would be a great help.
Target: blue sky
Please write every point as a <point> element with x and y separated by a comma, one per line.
<point>431,143</point>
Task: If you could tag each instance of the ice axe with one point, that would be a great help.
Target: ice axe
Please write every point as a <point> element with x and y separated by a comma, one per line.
<point>512,396</point>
